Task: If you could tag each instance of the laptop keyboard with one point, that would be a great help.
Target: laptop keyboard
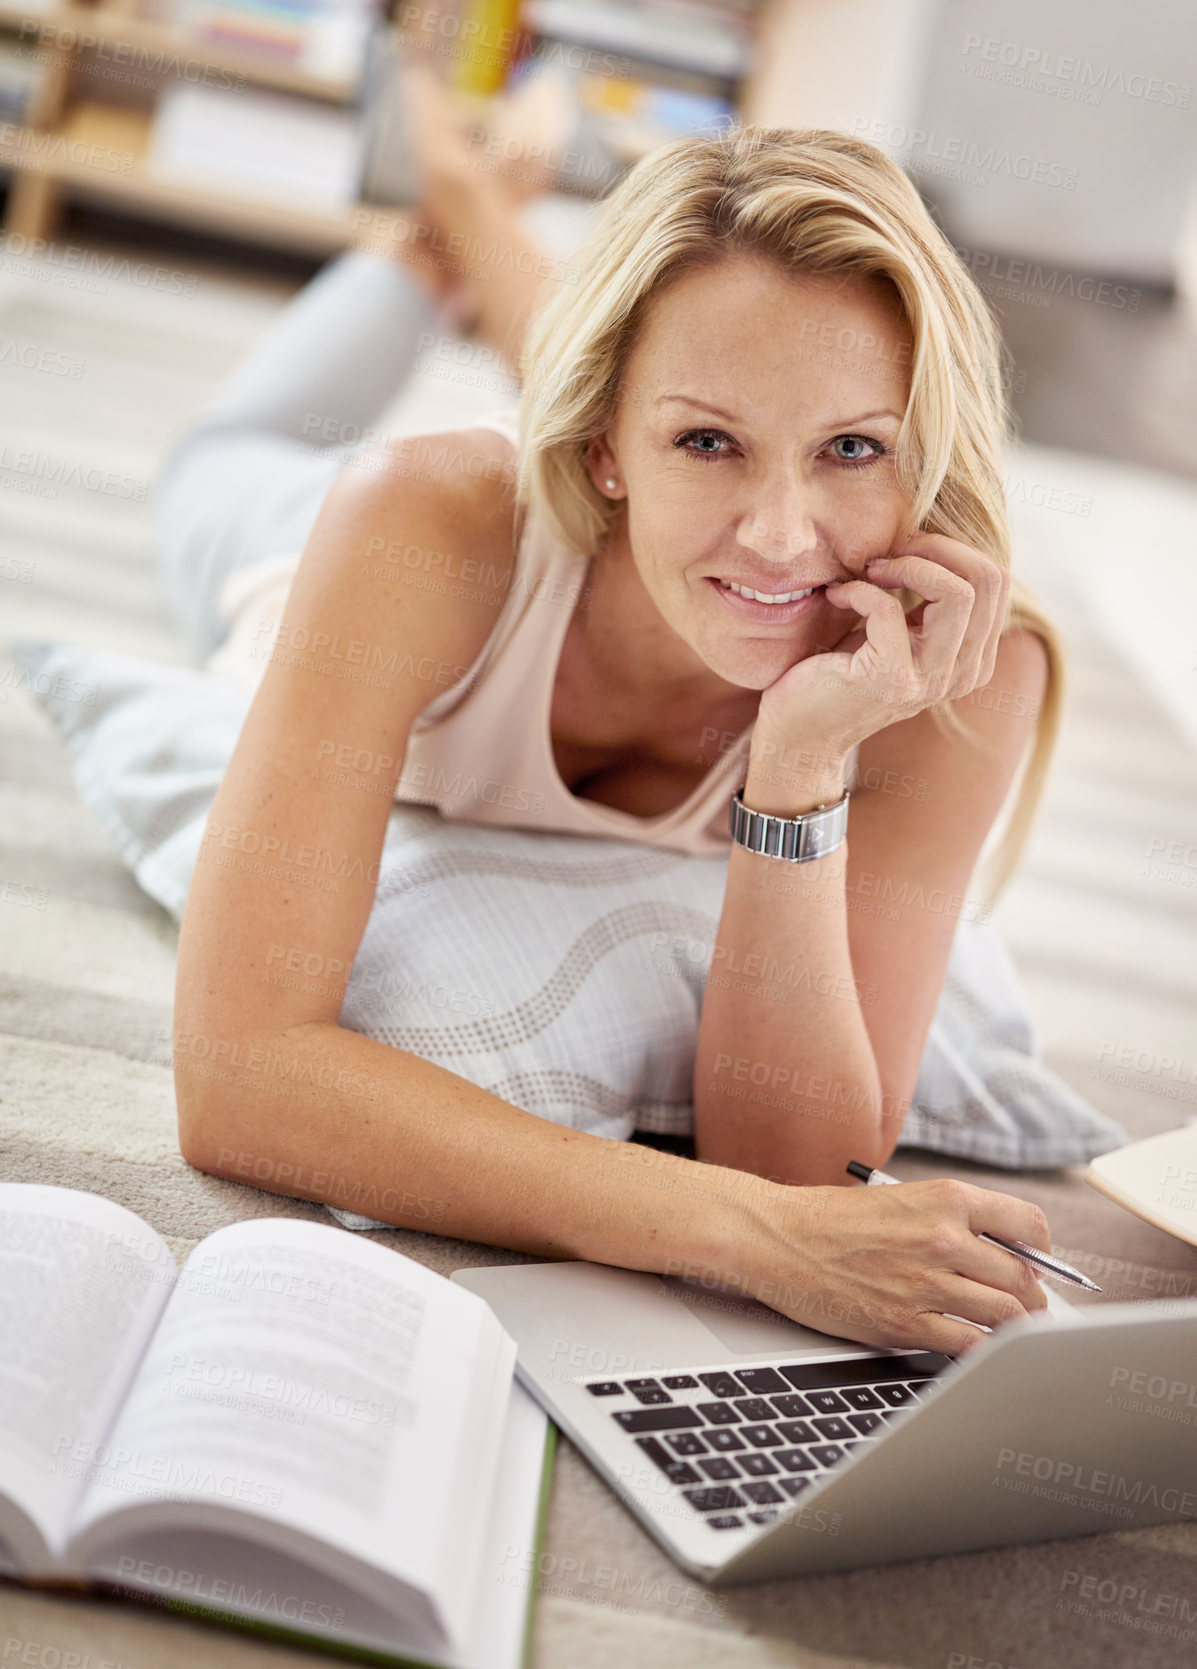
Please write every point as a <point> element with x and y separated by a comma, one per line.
<point>737,1443</point>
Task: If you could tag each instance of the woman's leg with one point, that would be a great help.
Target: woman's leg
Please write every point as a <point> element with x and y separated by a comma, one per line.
<point>247,479</point>
<point>501,265</point>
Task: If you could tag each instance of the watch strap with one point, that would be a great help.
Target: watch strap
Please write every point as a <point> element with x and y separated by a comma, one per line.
<point>798,839</point>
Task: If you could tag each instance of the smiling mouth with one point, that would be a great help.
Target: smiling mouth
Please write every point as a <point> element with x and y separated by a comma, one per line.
<point>767,596</point>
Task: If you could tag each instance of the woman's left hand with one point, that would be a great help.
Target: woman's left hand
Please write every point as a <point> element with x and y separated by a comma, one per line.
<point>894,665</point>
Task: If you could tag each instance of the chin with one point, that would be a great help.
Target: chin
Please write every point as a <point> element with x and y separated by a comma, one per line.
<point>756,669</point>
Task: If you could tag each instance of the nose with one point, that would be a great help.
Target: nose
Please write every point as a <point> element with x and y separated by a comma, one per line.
<point>781,522</point>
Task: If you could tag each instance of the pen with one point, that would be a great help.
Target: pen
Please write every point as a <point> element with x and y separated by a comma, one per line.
<point>1029,1254</point>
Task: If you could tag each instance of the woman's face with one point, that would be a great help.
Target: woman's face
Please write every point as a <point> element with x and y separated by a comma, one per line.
<point>753,442</point>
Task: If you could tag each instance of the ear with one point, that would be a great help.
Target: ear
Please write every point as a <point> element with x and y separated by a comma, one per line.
<point>603,468</point>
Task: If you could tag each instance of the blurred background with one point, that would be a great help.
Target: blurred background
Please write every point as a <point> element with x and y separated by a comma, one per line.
<point>173,171</point>
<point>202,158</point>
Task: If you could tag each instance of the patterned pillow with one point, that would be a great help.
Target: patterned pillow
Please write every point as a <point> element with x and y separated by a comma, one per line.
<point>562,972</point>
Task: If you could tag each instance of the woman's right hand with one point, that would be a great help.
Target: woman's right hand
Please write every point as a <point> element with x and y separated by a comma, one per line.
<point>891,1266</point>
<point>889,665</point>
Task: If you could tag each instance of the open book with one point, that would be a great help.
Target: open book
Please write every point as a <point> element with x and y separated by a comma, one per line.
<point>300,1431</point>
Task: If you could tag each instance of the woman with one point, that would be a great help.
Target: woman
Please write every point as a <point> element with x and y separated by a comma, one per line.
<point>766,415</point>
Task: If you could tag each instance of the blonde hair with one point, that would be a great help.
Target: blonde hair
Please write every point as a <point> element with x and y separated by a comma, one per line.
<point>817,202</point>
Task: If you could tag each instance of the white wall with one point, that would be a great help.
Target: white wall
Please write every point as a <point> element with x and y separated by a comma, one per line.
<point>1101,93</point>
<point>829,63</point>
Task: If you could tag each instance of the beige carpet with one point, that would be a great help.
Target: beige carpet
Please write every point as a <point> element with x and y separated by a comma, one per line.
<point>1103,933</point>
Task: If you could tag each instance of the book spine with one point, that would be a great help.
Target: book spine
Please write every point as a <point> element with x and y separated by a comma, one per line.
<point>488,37</point>
<point>542,1519</point>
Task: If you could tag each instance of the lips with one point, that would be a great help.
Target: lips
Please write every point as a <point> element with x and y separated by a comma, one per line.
<point>750,607</point>
<point>768,594</point>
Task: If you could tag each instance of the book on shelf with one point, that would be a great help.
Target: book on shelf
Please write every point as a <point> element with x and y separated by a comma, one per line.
<point>633,116</point>
<point>299,1432</point>
<point>684,53</point>
<point>257,144</point>
<point>389,173</point>
<point>613,121</point>
<point>21,72</point>
<point>320,37</point>
<point>488,32</point>
<point>705,38</point>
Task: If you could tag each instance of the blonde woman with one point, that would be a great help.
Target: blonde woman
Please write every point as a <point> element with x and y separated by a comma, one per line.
<point>763,419</point>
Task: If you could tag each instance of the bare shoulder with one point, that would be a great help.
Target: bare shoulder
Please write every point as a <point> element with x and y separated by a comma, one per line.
<point>460,480</point>
<point>1022,662</point>
<point>416,540</point>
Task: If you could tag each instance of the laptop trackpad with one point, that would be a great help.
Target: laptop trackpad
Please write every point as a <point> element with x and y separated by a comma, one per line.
<point>745,1327</point>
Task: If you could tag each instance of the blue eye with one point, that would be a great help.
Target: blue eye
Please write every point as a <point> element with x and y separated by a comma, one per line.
<point>705,434</point>
<point>859,462</point>
<point>708,452</point>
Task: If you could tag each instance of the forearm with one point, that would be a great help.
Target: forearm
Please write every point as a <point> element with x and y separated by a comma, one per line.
<point>786,1082</point>
<point>321,1113</point>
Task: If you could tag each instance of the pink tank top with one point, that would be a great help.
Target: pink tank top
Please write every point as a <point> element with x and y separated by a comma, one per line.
<point>482,750</point>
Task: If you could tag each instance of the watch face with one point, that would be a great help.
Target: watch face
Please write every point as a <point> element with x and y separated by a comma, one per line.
<point>797,838</point>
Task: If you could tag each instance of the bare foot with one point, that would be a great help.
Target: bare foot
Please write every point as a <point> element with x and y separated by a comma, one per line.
<point>527,132</point>
<point>474,175</point>
<point>507,144</point>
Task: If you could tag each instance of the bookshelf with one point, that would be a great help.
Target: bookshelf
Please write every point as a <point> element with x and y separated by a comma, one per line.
<point>97,126</point>
<point>85,132</point>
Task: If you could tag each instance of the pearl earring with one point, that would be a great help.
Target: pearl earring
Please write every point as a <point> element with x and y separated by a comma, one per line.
<point>611,482</point>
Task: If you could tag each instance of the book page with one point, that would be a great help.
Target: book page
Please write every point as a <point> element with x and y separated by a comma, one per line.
<point>508,1563</point>
<point>232,1576</point>
<point>82,1283</point>
<point>316,1382</point>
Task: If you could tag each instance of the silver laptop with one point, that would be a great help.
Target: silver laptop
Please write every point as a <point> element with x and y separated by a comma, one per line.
<point>753,1448</point>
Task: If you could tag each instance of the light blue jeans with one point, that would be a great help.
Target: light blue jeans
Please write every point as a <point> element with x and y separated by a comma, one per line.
<point>247,479</point>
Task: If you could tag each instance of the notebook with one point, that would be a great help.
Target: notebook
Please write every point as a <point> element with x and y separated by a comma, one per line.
<point>1156,1179</point>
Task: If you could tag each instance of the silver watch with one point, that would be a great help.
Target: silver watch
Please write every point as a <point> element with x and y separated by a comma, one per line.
<point>799,839</point>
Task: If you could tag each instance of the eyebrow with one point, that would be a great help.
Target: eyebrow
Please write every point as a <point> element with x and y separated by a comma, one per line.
<point>690,400</point>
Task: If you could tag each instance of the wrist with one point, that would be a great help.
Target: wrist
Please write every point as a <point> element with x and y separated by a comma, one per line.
<point>751,1230</point>
<point>787,780</point>
<point>708,1217</point>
